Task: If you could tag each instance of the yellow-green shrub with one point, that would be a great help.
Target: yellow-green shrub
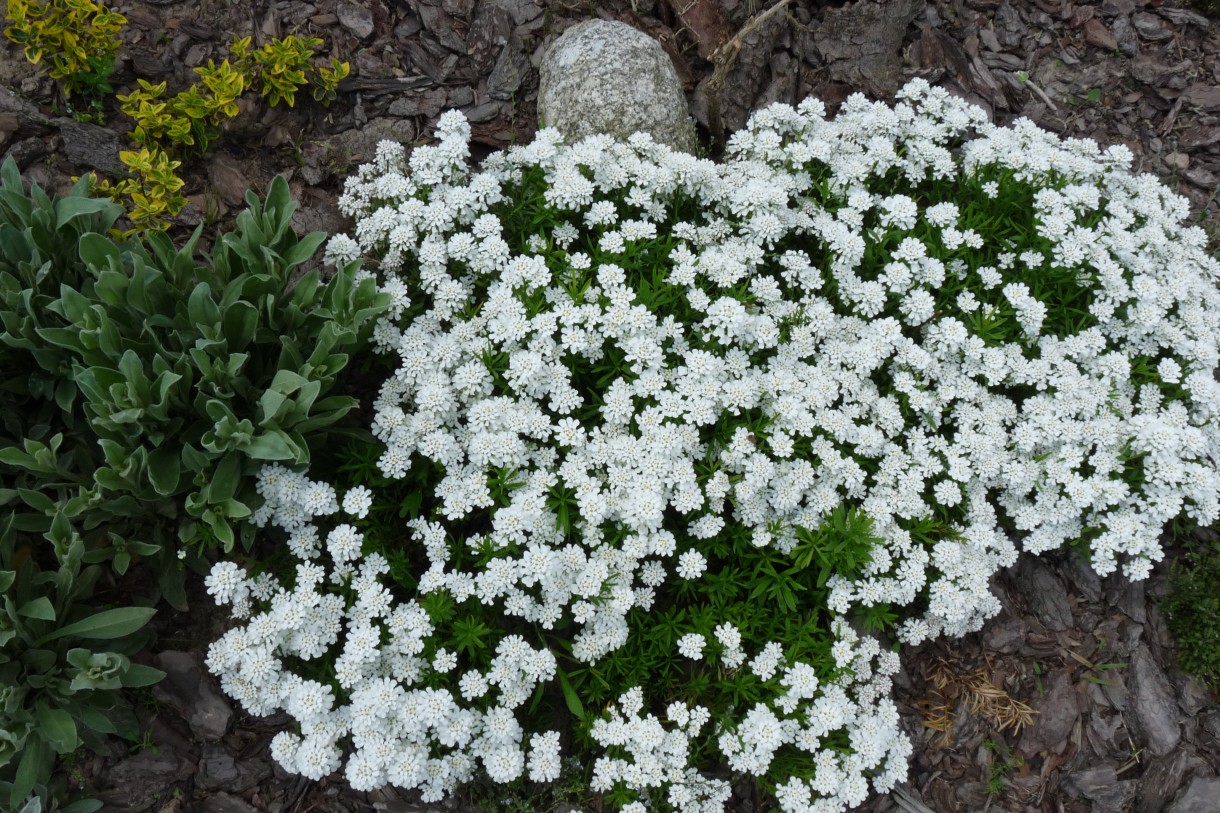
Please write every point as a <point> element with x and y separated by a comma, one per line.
<point>166,127</point>
<point>79,38</point>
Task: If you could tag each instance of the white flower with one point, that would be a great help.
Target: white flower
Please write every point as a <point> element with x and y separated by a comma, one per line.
<point>357,501</point>
<point>691,565</point>
<point>691,645</point>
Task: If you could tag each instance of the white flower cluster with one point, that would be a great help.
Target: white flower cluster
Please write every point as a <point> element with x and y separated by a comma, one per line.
<point>401,732</point>
<point>875,389</point>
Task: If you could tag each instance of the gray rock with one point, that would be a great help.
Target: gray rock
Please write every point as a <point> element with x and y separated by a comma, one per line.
<point>606,77</point>
<point>1084,579</point>
<point>1101,785</point>
<point>1057,712</point>
<point>1192,696</point>
<point>190,692</point>
<point>92,147</point>
<point>1202,795</point>
<point>1044,593</point>
<point>228,180</point>
<point>356,19</point>
<point>1153,710</point>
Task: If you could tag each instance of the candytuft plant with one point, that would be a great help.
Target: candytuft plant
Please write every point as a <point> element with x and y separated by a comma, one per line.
<point>687,450</point>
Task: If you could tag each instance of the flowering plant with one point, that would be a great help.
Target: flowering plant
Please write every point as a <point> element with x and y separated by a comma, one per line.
<point>679,443</point>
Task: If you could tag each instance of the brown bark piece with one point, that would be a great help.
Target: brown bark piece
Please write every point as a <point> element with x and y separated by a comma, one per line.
<point>706,22</point>
<point>862,41</point>
<point>1097,35</point>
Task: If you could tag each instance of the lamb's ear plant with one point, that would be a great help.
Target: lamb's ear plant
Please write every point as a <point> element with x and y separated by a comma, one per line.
<point>143,386</point>
<point>62,659</point>
<point>677,455</point>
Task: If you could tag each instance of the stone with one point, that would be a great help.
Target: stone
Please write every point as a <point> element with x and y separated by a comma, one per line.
<point>1177,161</point>
<point>1202,795</point>
<point>1202,178</point>
<point>230,183</point>
<point>356,19</point>
<point>1057,711</point>
<point>348,148</point>
<point>1101,785</point>
<point>1152,710</point>
<point>189,691</point>
<point>1151,27</point>
<point>602,76</point>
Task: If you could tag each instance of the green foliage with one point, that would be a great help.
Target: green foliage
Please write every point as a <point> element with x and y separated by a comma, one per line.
<point>79,38</point>
<point>1192,608</point>
<point>140,383</point>
<point>141,390</point>
<point>60,659</point>
<point>165,127</point>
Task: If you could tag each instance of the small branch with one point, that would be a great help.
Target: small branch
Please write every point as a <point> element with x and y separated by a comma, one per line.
<point>1037,91</point>
<point>724,58</point>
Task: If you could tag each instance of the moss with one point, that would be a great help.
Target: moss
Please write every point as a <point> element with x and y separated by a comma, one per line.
<point>1192,608</point>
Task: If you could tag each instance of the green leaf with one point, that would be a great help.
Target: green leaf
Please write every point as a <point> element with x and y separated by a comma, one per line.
<point>240,324</point>
<point>270,446</point>
<point>97,251</point>
<point>105,625</point>
<point>68,338</point>
<point>7,577</point>
<point>70,208</point>
<point>82,806</point>
<point>138,675</point>
<point>164,470</point>
<point>34,805</point>
<point>58,728</point>
<point>37,500</point>
<point>96,720</point>
<point>201,308</point>
<point>40,608</point>
<point>35,766</point>
<point>225,479</point>
<point>570,697</point>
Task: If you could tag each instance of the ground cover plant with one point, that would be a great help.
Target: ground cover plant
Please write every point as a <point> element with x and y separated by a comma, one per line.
<point>678,454</point>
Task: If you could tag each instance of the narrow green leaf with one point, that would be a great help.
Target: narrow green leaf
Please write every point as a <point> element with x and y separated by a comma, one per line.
<point>105,625</point>
<point>570,697</point>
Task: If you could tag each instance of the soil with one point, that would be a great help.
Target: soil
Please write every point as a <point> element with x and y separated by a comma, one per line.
<point>1110,722</point>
